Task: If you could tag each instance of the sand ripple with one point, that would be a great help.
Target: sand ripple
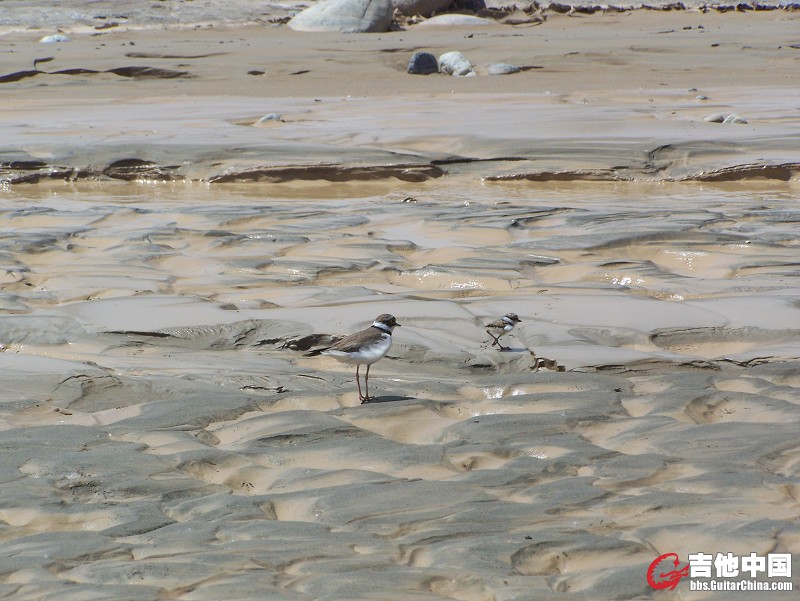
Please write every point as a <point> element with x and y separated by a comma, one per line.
<point>163,441</point>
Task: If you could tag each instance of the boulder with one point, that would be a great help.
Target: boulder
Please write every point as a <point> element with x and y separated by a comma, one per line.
<point>345,16</point>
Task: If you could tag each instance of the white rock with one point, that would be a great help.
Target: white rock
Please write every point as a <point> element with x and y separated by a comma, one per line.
<point>345,16</point>
<point>54,39</point>
<point>723,118</point>
<point>271,117</point>
<point>454,20</point>
<point>502,69</point>
<point>734,118</point>
<point>455,63</point>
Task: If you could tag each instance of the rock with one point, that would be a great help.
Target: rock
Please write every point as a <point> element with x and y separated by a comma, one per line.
<point>271,117</point>
<point>54,39</point>
<point>454,20</point>
<point>345,16</point>
<point>454,63</point>
<point>502,69</point>
<point>424,8</point>
<point>734,118</point>
<point>723,118</point>
<point>270,120</point>
<point>423,63</point>
<point>524,5</point>
<point>520,17</point>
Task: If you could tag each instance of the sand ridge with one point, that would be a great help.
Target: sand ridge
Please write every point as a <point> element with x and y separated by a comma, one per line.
<point>609,98</point>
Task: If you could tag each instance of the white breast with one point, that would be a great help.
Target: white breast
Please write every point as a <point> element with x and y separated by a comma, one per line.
<point>367,355</point>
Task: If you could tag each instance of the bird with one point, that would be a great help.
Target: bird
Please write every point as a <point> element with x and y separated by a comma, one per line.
<point>501,327</point>
<point>364,348</point>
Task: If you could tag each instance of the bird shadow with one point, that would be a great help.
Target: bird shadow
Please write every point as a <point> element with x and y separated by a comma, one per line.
<point>389,398</point>
<point>507,349</point>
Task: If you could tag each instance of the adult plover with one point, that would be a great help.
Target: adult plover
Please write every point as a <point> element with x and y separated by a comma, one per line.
<point>501,327</point>
<point>365,348</point>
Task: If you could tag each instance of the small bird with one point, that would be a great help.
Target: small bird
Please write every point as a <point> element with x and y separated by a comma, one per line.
<point>501,327</point>
<point>364,348</point>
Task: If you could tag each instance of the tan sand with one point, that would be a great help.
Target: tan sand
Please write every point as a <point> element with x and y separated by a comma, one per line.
<point>160,441</point>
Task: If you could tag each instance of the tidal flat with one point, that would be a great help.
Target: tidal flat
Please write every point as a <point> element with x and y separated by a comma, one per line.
<point>163,248</point>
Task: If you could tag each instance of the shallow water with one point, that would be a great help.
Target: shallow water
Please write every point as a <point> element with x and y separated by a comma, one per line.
<point>161,444</point>
<point>665,241</point>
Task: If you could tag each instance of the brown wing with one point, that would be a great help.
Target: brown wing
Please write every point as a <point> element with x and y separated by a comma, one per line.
<point>352,343</point>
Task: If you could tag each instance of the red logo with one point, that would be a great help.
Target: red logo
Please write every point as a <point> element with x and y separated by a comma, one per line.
<point>666,572</point>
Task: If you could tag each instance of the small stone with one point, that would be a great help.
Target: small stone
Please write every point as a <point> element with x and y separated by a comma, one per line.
<point>423,63</point>
<point>502,69</point>
<point>715,118</point>
<point>456,64</point>
<point>701,97</point>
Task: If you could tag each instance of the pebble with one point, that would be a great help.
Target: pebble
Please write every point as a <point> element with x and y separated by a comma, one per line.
<point>456,64</point>
<point>423,63</point>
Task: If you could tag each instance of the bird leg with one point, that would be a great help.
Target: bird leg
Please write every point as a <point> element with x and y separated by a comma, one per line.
<point>496,341</point>
<point>366,398</point>
<point>358,383</point>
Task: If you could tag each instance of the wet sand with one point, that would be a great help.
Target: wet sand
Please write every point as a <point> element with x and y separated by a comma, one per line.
<point>162,442</point>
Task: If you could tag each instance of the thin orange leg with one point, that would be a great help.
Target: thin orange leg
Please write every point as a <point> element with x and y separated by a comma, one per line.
<point>366,385</point>
<point>358,383</point>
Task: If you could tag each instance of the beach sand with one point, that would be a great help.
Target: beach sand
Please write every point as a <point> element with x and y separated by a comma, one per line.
<point>163,249</point>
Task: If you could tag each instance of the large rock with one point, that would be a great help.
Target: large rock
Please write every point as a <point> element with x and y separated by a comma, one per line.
<point>345,16</point>
<point>421,7</point>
